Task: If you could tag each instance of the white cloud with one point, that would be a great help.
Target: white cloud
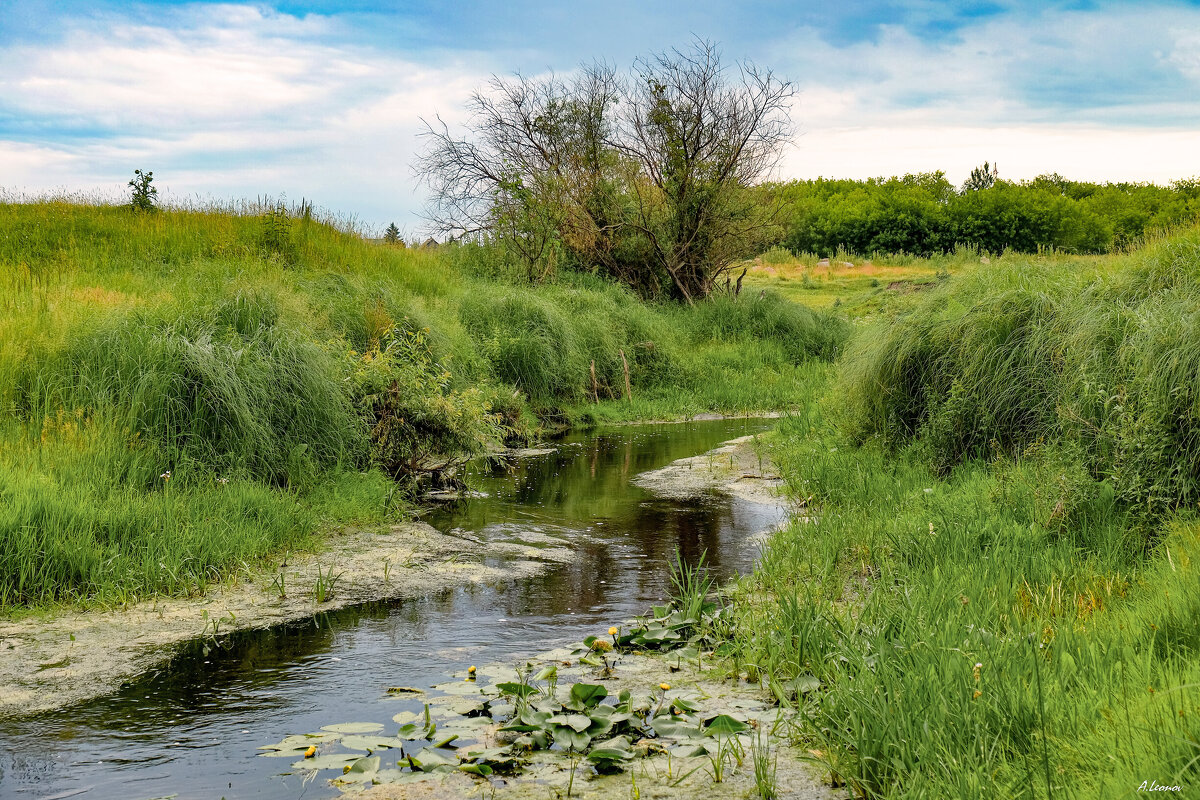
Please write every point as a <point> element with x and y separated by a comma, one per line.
<point>1021,152</point>
<point>230,100</point>
<point>234,101</point>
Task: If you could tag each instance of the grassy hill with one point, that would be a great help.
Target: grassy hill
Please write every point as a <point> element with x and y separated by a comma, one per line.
<point>185,390</point>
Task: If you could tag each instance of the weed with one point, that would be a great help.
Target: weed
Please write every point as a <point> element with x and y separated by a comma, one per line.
<point>325,584</point>
<point>143,195</point>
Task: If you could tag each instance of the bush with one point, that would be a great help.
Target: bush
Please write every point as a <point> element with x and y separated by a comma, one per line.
<point>418,426</point>
<point>1003,358</point>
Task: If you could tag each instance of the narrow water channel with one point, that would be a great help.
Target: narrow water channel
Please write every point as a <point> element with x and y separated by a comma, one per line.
<point>192,730</point>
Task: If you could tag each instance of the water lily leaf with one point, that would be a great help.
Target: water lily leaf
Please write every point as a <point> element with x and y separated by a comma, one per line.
<point>459,688</point>
<point>360,771</point>
<point>725,724</point>
<point>482,770</point>
<point>498,671</point>
<point>675,728</point>
<point>599,727</point>
<point>405,717</point>
<point>331,761</point>
<point>580,722</point>
<point>516,689</point>
<point>468,723</point>
<point>570,738</point>
<point>685,704</point>
<point>444,740</point>
<point>353,727</point>
<point>371,742</point>
<point>803,684</point>
<point>547,673</point>
<point>429,759</point>
<point>588,694</point>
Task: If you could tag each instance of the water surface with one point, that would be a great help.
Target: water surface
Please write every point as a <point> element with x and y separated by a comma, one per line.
<point>193,728</point>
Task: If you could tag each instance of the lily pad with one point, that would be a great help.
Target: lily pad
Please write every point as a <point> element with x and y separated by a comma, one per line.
<point>353,727</point>
<point>405,717</point>
<point>330,761</point>
<point>371,742</point>
<point>724,724</point>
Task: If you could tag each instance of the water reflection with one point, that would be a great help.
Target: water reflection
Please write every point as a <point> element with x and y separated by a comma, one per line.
<point>192,729</point>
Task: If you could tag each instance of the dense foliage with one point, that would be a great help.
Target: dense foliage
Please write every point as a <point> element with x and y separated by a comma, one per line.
<point>924,214</point>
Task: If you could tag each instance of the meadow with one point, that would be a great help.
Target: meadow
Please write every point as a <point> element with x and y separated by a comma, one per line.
<point>185,391</point>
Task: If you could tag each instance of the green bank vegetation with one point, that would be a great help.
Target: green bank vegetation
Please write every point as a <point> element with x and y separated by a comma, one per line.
<point>995,595</point>
<point>925,215</point>
<point>183,391</point>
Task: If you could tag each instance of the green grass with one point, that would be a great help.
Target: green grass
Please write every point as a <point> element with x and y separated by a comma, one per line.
<point>249,354</point>
<point>997,588</point>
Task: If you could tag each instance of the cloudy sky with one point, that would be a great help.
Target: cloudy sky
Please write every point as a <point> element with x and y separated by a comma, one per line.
<point>323,99</point>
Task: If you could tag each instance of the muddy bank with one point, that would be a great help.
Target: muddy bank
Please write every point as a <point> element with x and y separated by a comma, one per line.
<point>740,467</point>
<point>56,661</point>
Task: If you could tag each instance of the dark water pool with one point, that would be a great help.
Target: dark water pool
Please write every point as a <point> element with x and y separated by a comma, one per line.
<point>192,729</point>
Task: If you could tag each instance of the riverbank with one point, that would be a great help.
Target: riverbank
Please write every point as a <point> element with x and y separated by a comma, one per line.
<point>188,391</point>
<point>61,659</point>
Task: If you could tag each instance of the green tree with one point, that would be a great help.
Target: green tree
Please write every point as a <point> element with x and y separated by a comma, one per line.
<point>984,177</point>
<point>392,234</point>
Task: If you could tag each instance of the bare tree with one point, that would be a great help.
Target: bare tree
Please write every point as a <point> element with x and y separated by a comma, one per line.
<point>702,137</point>
<point>642,178</point>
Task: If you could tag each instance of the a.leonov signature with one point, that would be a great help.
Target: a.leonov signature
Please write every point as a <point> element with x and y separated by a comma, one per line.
<point>1155,786</point>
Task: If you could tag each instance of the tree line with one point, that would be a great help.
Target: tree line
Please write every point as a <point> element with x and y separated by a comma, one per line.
<point>924,214</point>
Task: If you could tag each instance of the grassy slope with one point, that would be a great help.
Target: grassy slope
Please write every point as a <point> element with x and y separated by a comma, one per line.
<point>218,348</point>
<point>998,593</point>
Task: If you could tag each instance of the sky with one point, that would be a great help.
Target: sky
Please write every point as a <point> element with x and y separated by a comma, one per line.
<point>324,100</point>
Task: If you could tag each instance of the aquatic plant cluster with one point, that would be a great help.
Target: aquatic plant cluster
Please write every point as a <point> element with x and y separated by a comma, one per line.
<point>289,374</point>
<point>526,723</point>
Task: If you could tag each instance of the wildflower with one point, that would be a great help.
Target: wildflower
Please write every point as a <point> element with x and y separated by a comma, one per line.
<point>666,687</point>
<point>310,752</point>
<point>976,670</point>
<point>222,481</point>
<point>977,695</point>
<point>166,476</point>
<point>964,600</point>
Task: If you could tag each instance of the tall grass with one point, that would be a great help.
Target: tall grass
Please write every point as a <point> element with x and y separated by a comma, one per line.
<point>239,350</point>
<point>965,638</point>
<point>994,594</point>
<point>1104,356</point>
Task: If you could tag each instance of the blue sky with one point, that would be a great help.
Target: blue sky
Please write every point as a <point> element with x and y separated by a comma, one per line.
<point>323,99</point>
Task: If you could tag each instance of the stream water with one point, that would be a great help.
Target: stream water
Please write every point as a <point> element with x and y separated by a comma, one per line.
<point>192,729</point>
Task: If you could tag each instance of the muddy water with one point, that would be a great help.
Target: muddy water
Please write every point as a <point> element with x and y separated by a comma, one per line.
<point>192,729</point>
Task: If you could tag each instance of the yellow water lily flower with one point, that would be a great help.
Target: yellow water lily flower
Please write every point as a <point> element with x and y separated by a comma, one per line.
<point>310,752</point>
<point>471,669</point>
<point>612,631</point>
<point>666,687</point>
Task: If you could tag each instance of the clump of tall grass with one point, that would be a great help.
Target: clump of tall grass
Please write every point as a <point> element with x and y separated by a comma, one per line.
<point>999,631</point>
<point>1002,357</point>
